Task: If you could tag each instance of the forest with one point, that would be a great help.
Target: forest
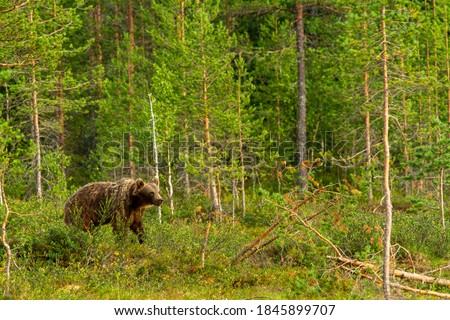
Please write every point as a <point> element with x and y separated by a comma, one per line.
<point>302,147</point>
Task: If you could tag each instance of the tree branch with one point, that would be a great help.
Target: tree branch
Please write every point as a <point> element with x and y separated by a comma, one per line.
<point>16,6</point>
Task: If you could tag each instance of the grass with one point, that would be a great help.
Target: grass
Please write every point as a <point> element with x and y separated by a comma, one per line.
<point>52,261</point>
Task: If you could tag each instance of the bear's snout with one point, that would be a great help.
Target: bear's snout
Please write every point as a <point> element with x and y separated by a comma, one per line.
<point>158,202</point>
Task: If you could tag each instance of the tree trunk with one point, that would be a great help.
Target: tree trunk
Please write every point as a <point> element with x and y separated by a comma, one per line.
<point>405,135</point>
<point>59,111</point>
<point>447,63</point>
<point>35,125</point>
<point>386,171</point>
<point>241,142</point>
<point>211,174</point>
<point>130,84</point>
<point>301,116</point>
<point>367,123</point>
<point>181,32</point>
<point>4,241</point>
<point>116,29</point>
<point>155,149</point>
<point>169,180</point>
<point>441,196</point>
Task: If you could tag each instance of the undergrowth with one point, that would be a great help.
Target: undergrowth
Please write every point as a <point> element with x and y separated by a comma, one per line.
<point>53,261</point>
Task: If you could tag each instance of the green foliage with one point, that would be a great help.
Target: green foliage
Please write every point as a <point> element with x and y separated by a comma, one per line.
<point>202,65</point>
<point>421,233</point>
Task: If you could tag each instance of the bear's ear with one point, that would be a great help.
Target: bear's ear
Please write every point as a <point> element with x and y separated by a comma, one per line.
<point>139,183</point>
<point>156,181</point>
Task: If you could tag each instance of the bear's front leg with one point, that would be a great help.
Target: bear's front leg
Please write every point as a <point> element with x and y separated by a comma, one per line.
<point>137,226</point>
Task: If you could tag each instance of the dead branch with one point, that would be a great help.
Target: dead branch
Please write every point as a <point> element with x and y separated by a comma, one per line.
<point>240,256</point>
<point>428,292</point>
<point>400,286</point>
<point>252,248</point>
<point>396,273</point>
<point>258,248</point>
<point>14,7</point>
<point>308,226</point>
<point>324,210</point>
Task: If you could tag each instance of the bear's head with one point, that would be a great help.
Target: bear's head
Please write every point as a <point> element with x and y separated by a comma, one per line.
<point>145,194</point>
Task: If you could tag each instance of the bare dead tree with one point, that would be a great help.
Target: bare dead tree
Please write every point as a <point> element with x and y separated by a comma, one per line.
<point>386,171</point>
<point>4,240</point>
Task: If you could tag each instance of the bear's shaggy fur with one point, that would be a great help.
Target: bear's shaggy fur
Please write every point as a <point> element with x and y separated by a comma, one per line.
<point>120,203</point>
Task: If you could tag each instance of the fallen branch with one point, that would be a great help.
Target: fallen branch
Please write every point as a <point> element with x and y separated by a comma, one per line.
<point>428,292</point>
<point>293,213</point>
<point>252,248</point>
<point>324,210</point>
<point>258,248</point>
<point>396,273</point>
<point>400,286</point>
<point>239,257</point>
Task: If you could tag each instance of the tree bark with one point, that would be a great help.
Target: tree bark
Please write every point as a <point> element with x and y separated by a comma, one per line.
<point>301,107</point>
<point>447,63</point>
<point>155,149</point>
<point>4,241</point>
<point>181,32</point>
<point>211,174</point>
<point>130,84</point>
<point>441,196</point>
<point>367,123</point>
<point>59,111</point>
<point>241,142</point>
<point>35,125</point>
<point>386,170</point>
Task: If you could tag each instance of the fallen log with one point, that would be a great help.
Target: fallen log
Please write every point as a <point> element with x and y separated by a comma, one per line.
<point>400,286</point>
<point>396,273</point>
<point>240,256</point>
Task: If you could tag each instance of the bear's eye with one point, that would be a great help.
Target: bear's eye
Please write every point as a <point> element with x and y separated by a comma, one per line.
<point>152,194</point>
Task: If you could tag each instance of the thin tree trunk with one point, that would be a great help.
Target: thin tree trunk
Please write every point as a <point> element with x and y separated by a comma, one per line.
<point>36,129</point>
<point>405,136</point>
<point>234,197</point>
<point>59,111</point>
<point>187,182</point>
<point>116,29</point>
<point>241,142</point>
<point>4,241</point>
<point>301,120</point>
<point>367,123</point>
<point>169,181</point>
<point>447,64</point>
<point>155,149</point>
<point>130,83</point>
<point>227,16</point>
<point>441,196</point>
<point>8,102</point>
<point>436,90</point>
<point>211,175</point>
<point>386,171</point>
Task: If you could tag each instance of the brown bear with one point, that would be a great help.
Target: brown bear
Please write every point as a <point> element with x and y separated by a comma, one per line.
<point>121,203</point>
